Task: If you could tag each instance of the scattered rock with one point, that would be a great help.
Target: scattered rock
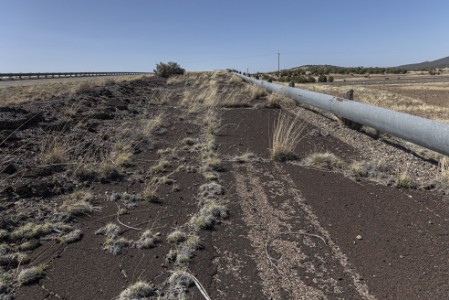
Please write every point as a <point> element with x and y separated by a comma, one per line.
<point>9,169</point>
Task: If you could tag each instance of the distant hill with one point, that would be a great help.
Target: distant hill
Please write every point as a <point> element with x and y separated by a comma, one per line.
<point>439,63</point>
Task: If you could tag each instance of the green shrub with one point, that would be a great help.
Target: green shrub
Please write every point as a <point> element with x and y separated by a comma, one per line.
<point>322,78</point>
<point>166,70</point>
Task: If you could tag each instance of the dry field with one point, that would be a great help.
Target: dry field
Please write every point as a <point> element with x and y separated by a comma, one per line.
<point>18,91</point>
<point>428,100</point>
<point>204,187</point>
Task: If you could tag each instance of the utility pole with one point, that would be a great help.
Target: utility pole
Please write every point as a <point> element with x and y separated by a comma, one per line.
<point>279,62</point>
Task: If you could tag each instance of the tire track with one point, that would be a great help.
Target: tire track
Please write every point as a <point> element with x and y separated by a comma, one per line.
<point>361,287</point>
<point>293,263</point>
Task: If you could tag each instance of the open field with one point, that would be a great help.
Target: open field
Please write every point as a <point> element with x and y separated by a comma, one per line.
<point>35,81</point>
<point>428,100</point>
<point>172,189</point>
<point>18,91</point>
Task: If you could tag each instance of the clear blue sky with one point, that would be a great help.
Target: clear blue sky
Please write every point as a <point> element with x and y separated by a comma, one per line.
<point>133,35</point>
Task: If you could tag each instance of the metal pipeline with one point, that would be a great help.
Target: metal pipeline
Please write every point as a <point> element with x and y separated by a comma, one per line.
<point>424,132</point>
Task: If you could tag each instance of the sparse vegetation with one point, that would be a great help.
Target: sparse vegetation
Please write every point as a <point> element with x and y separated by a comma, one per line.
<point>31,230</point>
<point>404,181</point>
<point>71,237</point>
<point>288,132</point>
<point>177,236</point>
<point>147,240</point>
<point>160,167</point>
<point>31,275</point>
<point>138,290</point>
<point>150,193</point>
<point>80,203</point>
<point>325,160</point>
<point>246,157</point>
<point>166,70</point>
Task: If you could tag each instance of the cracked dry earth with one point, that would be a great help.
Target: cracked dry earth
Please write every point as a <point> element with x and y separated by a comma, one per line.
<point>280,230</point>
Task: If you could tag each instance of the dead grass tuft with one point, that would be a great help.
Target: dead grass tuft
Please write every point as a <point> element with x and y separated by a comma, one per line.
<point>31,230</point>
<point>71,237</point>
<point>138,290</point>
<point>177,236</point>
<point>443,171</point>
<point>288,133</point>
<point>147,240</point>
<point>31,275</point>
<point>79,204</point>
<point>326,160</point>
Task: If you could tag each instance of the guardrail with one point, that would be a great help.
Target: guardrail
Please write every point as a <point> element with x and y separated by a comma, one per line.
<point>424,132</point>
<point>12,76</point>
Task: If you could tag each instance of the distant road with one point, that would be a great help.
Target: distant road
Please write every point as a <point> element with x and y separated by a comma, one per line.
<point>27,82</point>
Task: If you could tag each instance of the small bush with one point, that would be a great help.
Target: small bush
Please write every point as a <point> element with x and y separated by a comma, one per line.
<point>147,240</point>
<point>139,290</point>
<point>176,237</point>
<point>288,132</point>
<point>325,160</point>
<point>166,70</point>
<point>31,275</point>
<point>322,78</point>
<point>405,182</point>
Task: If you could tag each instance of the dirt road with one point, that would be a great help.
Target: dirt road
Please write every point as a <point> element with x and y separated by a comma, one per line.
<point>238,226</point>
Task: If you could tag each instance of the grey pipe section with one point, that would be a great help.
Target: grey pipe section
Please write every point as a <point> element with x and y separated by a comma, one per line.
<point>424,132</point>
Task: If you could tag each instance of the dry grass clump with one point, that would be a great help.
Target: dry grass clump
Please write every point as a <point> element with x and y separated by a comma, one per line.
<point>211,190</point>
<point>205,90</point>
<point>80,203</point>
<point>109,230</point>
<point>150,193</point>
<point>257,92</point>
<point>121,154</point>
<point>177,79</point>
<point>31,230</point>
<point>325,160</point>
<point>214,164</point>
<point>147,240</point>
<point>288,133</point>
<point>139,290</point>
<point>178,283</point>
<point>211,121</point>
<point>31,275</point>
<point>273,101</point>
<point>4,234</point>
<point>189,141</point>
<point>278,101</point>
<point>404,181</point>
<point>443,171</point>
<point>150,126</point>
<point>209,215</point>
<point>53,150</point>
<point>161,167</point>
<point>370,169</point>
<point>210,176</point>
<point>246,157</point>
<point>29,245</point>
<point>235,79</point>
<point>71,237</point>
<point>115,246</point>
<point>12,260</point>
<point>193,242</point>
<point>177,236</point>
